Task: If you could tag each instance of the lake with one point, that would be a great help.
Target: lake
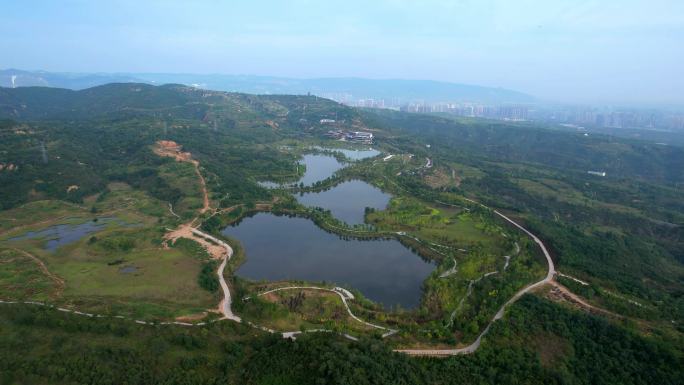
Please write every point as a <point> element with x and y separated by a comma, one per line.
<point>283,248</point>
<point>318,168</point>
<point>347,201</point>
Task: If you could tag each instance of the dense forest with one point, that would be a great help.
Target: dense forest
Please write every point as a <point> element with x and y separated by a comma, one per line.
<point>539,343</point>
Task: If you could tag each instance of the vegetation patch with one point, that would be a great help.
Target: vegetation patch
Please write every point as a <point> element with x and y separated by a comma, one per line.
<point>21,279</point>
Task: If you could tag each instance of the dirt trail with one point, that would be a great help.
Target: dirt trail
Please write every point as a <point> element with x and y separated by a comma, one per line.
<point>203,186</point>
<point>171,149</point>
<point>58,281</point>
<point>566,294</point>
<point>216,248</point>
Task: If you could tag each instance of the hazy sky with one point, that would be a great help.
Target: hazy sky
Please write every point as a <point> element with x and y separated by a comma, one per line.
<point>574,50</point>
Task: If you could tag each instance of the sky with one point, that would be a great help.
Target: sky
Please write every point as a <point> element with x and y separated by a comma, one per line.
<point>621,51</point>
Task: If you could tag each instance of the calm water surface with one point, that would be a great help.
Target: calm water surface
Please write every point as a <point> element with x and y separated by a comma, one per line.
<point>318,168</point>
<point>347,201</point>
<point>295,248</point>
<point>60,235</point>
<point>354,154</point>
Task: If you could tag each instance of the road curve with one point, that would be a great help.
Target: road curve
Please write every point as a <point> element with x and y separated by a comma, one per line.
<point>344,295</point>
<point>476,344</point>
<point>225,305</point>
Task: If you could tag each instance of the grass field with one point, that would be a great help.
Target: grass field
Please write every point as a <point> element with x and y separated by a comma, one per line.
<point>21,279</point>
<point>119,267</point>
<point>446,226</point>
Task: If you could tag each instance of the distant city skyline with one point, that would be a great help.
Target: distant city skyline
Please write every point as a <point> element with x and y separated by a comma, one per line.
<point>581,51</point>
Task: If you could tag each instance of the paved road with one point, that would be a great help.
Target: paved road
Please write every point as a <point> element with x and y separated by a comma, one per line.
<point>344,295</point>
<point>225,305</point>
<point>476,344</point>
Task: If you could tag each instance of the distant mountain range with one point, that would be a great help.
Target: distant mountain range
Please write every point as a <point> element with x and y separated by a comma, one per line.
<point>356,88</point>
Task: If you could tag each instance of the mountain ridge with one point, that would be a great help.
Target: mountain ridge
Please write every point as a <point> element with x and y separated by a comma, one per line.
<point>405,90</point>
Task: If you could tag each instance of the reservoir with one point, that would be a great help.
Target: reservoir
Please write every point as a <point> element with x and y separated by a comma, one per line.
<point>283,248</point>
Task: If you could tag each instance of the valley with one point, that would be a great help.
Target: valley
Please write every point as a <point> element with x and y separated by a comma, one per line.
<point>198,209</point>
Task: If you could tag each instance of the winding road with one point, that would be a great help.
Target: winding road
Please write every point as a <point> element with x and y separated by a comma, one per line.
<point>225,305</point>
<point>476,344</point>
<point>344,295</point>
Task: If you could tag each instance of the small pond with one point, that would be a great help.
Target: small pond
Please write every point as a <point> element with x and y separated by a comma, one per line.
<point>280,248</point>
<point>347,201</point>
<point>128,269</point>
<point>64,234</point>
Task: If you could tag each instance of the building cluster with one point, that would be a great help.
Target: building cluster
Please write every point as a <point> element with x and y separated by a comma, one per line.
<point>351,136</point>
<point>610,117</point>
<point>515,112</point>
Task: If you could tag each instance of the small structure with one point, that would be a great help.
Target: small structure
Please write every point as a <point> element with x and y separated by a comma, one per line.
<point>327,121</point>
<point>360,136</point>
<point>597,173</point>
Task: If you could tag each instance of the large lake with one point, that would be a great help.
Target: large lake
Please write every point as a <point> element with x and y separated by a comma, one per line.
<point>283,248</point>
<point>347,201</point>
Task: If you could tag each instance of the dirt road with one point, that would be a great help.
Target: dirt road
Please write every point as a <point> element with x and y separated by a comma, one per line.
<point>216,248</point>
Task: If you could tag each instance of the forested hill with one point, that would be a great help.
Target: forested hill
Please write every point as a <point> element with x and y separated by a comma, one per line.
<point>38,103</point>
<point>491,140</point>
<point>526,143</point>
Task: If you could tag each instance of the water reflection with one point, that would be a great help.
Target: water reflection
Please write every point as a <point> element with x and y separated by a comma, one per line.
<point>64,234</point>
<point>347,201</point>
<point>279,247</point>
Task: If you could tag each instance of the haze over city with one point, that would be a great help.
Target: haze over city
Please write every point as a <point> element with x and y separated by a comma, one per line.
<point>569,51</point>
